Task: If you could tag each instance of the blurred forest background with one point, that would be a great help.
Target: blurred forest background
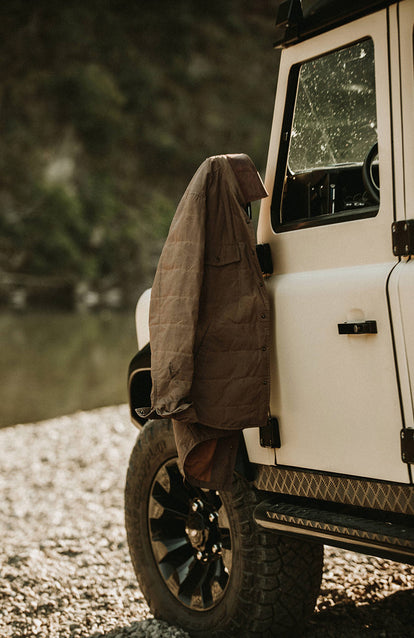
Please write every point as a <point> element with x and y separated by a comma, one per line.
<point>107,108</point>
<point>106,111</point>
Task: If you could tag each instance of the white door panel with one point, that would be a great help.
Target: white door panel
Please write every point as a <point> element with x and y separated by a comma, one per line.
<point>336,395</point>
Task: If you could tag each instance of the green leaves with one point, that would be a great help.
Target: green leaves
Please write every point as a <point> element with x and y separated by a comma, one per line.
<point>91,100</point>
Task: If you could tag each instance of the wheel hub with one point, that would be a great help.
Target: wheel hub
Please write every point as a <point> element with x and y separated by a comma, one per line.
<point>203,531</point>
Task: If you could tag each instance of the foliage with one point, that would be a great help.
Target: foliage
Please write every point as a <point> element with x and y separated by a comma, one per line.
<point>106,110</point>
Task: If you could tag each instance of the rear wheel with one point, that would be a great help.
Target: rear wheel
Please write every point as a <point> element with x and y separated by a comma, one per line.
<point>200,559</point>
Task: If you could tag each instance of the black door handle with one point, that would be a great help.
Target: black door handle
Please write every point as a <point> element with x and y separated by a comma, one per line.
<point>358,328</point>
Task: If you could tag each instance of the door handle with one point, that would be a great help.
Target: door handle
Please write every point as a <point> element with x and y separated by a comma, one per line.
<point>358,328</point>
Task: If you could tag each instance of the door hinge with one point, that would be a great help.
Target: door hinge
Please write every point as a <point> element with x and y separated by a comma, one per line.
<point>264,255</point>
<point>403,238</point>
<point>270,433</point>
<point>407,445</point>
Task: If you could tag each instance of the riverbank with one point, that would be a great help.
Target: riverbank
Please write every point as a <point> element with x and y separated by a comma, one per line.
<point>56,363</point>
<point>65,568</point>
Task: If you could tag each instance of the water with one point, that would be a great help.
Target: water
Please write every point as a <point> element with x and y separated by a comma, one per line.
<point>55,364</point>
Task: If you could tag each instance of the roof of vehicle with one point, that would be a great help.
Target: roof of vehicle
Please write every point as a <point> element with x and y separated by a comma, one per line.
<point>300,19</point>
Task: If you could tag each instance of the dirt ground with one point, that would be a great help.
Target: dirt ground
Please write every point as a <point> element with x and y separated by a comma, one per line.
<point>65,569</point>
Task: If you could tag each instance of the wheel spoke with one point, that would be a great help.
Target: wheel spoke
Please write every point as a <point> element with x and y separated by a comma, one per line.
<point>215,500</point>
<point>167,527</point>
<point>182,570</point>
<point>222,575</point>
<point>171,544</point>
<point>206,593</point>
<point>175,559</point>
<point>225,537</point>
<point>168,500</point>
<point>193,582</point>
<point>177,486</point>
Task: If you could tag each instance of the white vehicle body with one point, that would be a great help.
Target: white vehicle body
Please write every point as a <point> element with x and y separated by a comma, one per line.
<point>342,287</point>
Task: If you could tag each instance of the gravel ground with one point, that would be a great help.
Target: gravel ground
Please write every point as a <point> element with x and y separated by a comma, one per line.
<point>65,569</point>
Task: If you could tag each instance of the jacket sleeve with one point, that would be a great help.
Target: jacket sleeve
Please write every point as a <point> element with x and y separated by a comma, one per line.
<point>174,309</point>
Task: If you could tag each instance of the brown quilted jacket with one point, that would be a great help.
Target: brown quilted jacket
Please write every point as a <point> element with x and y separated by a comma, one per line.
<point>209,320</point>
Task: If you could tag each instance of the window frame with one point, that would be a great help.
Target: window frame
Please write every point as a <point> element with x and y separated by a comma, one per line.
<point>283,152</point>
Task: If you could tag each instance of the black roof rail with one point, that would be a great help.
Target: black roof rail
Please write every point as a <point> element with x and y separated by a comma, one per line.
<point>300,19</point>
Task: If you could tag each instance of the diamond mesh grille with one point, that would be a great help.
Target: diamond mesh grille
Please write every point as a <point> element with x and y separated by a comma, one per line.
<point>338,489</point>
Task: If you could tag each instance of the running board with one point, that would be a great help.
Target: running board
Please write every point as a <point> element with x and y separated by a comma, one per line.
<point>391,536</point>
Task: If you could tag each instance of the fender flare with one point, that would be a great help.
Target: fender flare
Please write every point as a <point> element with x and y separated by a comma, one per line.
<point>139,384</point>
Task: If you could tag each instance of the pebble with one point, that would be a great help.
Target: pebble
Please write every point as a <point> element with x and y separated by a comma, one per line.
<point>65,570</point>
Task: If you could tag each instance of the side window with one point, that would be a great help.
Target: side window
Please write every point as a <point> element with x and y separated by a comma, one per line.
<point>327,168</point>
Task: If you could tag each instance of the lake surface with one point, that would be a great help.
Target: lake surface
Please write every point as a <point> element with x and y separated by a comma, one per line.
<point>54,364</point>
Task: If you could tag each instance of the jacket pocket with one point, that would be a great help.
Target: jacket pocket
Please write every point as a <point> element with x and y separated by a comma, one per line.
<point>223,254</point>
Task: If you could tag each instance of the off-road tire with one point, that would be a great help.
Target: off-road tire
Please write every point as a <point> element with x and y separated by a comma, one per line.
<point>274,581</point>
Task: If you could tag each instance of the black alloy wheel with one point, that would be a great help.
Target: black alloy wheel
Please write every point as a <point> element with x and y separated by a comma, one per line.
<point>190,539</point>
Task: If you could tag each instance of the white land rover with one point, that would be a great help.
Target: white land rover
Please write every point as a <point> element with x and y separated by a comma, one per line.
<point>335,464</point>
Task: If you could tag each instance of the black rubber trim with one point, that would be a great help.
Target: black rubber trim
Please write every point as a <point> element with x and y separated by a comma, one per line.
<point>139,384</point>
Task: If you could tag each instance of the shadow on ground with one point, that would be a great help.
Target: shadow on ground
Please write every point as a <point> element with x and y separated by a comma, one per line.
<point>391,617</point>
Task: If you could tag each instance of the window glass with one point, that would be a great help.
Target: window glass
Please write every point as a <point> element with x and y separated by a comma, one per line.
<point>335,113</point>
<point>327,168</point>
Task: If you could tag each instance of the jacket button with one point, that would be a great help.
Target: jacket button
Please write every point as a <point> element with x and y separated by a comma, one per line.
<point>263,316</point>
<point>265,382</point>
<point>264,348</point>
